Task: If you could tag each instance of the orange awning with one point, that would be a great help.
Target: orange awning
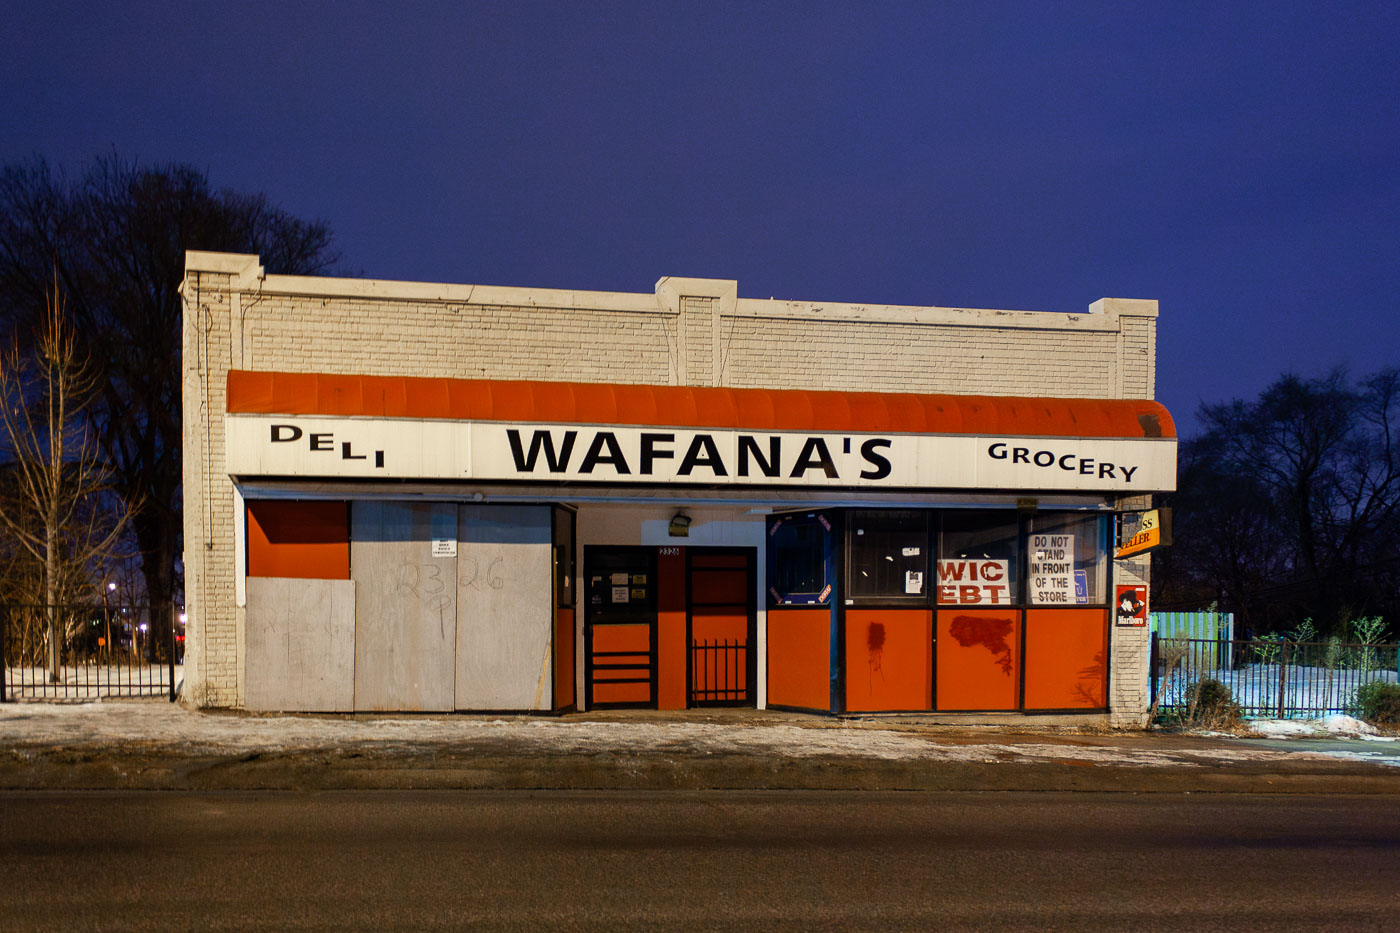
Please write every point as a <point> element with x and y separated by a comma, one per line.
<point>777,410</point>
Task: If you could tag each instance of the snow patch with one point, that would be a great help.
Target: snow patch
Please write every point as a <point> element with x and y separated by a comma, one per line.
<point>1335,724</point>
<point>153,725</point>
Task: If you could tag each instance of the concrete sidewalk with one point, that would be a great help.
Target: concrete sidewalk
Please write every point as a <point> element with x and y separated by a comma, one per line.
<point>121,745</point>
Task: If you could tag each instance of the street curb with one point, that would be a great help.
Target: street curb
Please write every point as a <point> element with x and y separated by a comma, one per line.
<point>449,768</point>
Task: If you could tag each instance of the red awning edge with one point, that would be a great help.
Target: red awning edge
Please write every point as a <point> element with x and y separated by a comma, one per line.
<point>778,410</point>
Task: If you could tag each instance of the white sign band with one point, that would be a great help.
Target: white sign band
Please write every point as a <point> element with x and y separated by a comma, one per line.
<point>322,446</point>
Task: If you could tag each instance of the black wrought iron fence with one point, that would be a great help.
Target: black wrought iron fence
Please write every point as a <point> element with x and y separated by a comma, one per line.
<point>1270,678</point>
<point>719,673</point>
<point>90,651</point>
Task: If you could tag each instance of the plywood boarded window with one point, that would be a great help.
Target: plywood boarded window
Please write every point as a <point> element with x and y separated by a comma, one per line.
<point>289,538</point>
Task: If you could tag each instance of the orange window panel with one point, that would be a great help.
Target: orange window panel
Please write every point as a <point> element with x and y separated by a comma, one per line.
<point>978,659</point>
<point>621,693</point>
<point>1066,652</point>
<point>670,630</point>
<point>700,560</point>
<point>718,623</point>
<point>563,658</point>
<point>309,540</point>
<point>888,659</point>
<point>719,587</point>
<point>630,637</point>
<point>799,658</point>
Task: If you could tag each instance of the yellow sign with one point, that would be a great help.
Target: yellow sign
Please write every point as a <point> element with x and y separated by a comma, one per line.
<point>1148,536</point>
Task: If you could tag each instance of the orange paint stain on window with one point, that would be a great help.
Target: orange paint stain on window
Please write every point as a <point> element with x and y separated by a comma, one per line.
<point>978,659</point>
<point>888,659</point>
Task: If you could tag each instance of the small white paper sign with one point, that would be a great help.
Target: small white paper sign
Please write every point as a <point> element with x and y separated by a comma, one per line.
<point>444,547</point>
<point>619,594</point>
<point>914,581</point>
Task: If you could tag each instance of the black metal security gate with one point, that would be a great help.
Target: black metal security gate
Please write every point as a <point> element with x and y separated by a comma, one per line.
<point>103,651</point>
<point>720,675</point>
<point>620,652</point>
<point>720,621</point>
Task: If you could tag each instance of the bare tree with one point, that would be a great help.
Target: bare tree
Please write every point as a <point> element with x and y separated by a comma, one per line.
<point>59,510</point>
<point>1288,506</point>
<point>118,237</point>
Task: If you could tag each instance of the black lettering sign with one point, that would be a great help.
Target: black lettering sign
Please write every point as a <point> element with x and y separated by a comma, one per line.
<point>595,454</point>
<point>525,463</point>
<point>703,443</point>
<point>880,465</point>
<point>1069,462</point>
<point>768,466</point>
<point>814,454</point>
<point>650,454</point>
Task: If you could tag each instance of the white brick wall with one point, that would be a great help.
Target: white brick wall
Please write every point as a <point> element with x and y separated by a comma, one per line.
<point>1128,649</point>
<point>698,320</point>
<point>689,331</point>
<point>212,668</point>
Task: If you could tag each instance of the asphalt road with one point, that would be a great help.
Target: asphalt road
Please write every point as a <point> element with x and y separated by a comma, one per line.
<point>697,859</point>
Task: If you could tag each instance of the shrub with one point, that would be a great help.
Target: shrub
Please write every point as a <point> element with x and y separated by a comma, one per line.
<point>1377,702</point>
<point>1210,703</point>
<point>1368,631</point>
<point>1335,654</point>
<point>1268,648</point>
<point>1305,632</point>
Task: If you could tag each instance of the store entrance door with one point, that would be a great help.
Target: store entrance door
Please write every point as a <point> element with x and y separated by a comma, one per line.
<point>620,626</point>
<point>721,621</point>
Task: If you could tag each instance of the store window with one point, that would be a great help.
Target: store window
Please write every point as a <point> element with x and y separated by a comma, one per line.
<point>887,556</point>
<point>1066,560</point>
<point>294,538</point>
<point>978,559</point>
<point>621,584</point>
<point>799,559</point>
<point>563,557</point>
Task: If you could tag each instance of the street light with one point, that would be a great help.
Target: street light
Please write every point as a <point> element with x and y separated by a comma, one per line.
<point>107,621</point>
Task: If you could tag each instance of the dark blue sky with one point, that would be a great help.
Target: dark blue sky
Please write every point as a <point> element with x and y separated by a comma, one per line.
<point>1240,162</point>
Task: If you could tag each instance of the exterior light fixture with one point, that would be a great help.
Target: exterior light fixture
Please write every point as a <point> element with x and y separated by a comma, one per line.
<point>680,526</point>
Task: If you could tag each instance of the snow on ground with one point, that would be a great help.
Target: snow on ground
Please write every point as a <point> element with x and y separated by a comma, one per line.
<point>138,725</point>
<point>1336,724</point>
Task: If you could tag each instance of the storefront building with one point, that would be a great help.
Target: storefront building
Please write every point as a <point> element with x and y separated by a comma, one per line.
<point>412,496</point>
